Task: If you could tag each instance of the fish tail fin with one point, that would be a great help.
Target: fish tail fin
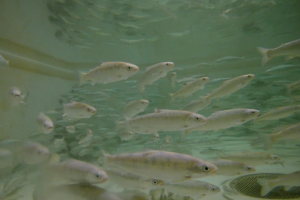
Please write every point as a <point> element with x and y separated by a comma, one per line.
<point>81,76</point>
<point>266,187</point>
<point>264,54</point>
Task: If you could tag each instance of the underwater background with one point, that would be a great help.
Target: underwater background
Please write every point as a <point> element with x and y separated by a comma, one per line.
<point>48,42</point>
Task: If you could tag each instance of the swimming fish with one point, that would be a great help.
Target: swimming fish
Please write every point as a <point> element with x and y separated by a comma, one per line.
<point>76,171</point>
<point>197,105</point>
<point>132,181</point>
<point>190,88</point>
<point>226,119</point>
<point>287,180</point>
<point>134,107</point>
<point>153,73</point>
<point>252,157</point>
<point>229,59</point>
<point>291,133</point>
<point>45,124</point>
<point>279,113</point>
<point>16,96</point>
<point>231,168</point>
<point>231,86</point>
<point>287,49</point>
<point>78,110</point>
<point>173,79</point>
<point>109,72</point>
<point>126,135</point>
<point>193,188</point>
<point>161,165</point>
<point>163,120</point>
<point>33,153</point>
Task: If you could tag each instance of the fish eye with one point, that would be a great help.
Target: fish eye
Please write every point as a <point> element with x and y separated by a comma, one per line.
<point>129,68</point>
<point>249,76</point>
<point>197,118</point>
<point>154,182</point>
<point>167,64</point>
<point>213,189</point>
<point>98,176</point>
<point>252,112</point>
<point>39,152</point>
<point>89,110</point>
<point>248,168</point>
<point>205,168</point>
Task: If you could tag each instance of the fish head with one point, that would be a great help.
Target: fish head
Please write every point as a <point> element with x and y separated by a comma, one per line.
<point>251,114</point>
<point>144,102</point>
<point>96,176</point>
<point>195,119</point>
<point>167,65</point>
<point>202,167</point>
<point>249,168</point>
<point>247,78</point>
<point>204,79</point>
<point>212,189</point>
<point>129,69</point>
<point>274,157</point>
<point>47,126</point>
<point>39,154</point>
<point>154,182</point>
<point>15,92</point>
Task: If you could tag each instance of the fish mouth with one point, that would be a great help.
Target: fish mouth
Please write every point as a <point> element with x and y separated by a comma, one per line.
<point>50,127</point>
<point>94,111</point>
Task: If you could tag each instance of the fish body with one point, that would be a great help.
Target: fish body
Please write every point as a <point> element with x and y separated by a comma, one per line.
<point>45,124</point>
<point>254,158</point>
<point>33,153</point>
<point>134,107</point>
<point>109,72</point>
<point>77,171</point>
<point>164,120</point>
<point>288,181</point>
<point>71,129</point>
<point>231,168</point>
<point>161,165</point>
<point>190,88</point>
<point>153,73</point>
<point>126,135</point>
<point>132,181</point>
<point>192,188</point>
<point>279,113</point>
<point>231,86</point>
<point>78,110</point>
<point>226,119</point>
<point>288,49</point>
<point>197,105</point>
<point>290,133</point>
<point>229,59</point>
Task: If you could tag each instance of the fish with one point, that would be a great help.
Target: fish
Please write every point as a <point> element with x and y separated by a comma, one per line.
<point>163,120</point>
<point>179,34</point>
<point>287,49</point>
<point>226,119</point>
<point>6,158</point>
<point>75,171</point>
<point>161,165</point>
<point>287,180</point>
<point>279,113</point>
<point>231,86</point>
<point>132,181</point>
<point>78,110</point>
<point>3,62</point>
<point>197,105</point>
<point>109,72</point>
<point>192,188</point>
<point>86,141</point>
<point>253,157</point>
<point>231,168</point>
<point>173,79</point>
<point>153,73</point>
<point>16,97</point>
<point>33,153</point>
<point>45,124</point>
<point>134,107</point>
<point>291,133</point>
<point>190,88</point>
<point>71,129</point>
<point>229,59</point>
<point>126,135</point>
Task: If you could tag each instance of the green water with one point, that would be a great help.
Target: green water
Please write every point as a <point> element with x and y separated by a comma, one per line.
<point>48,42</point>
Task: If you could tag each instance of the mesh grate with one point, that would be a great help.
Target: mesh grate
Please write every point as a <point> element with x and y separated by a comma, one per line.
<point>248,186</point>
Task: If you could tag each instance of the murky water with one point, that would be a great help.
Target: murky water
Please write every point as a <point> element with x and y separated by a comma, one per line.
<point>45,44</point>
